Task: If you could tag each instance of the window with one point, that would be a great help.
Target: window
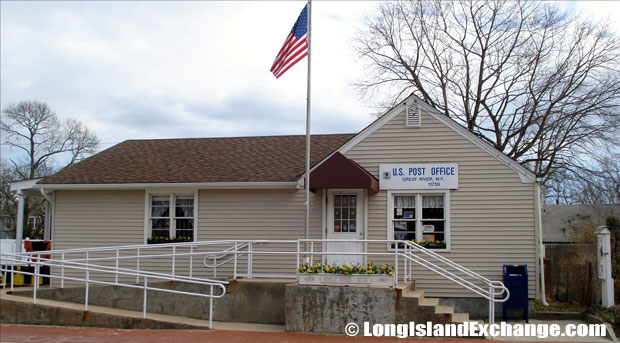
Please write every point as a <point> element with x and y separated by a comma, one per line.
<point>184,216</point>
<point>34,222</point>
<point>172,216</point>
<point>433,218</point>
<point>160,216</point>
<point>345,213</point>
<point>404,222</point>
<point>420,217</point>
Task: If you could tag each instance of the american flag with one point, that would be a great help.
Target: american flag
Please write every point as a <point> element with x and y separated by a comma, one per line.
<point>295,46</point>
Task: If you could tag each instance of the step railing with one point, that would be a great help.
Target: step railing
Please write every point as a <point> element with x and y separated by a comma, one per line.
<point>9,262</point>
<point>218,255</point>
<point>496,291</point>
<point>224,258</point>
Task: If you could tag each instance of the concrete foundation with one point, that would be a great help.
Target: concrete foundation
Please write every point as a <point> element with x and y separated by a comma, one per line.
<point>246,301</point>
<point>303,308</point>
<point>321,309</point>
<point>22,312</point>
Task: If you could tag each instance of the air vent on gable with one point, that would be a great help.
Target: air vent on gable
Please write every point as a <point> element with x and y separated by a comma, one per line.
<point>413,115</point>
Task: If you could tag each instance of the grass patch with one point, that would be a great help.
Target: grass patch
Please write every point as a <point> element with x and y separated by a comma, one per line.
<point>556,306</point>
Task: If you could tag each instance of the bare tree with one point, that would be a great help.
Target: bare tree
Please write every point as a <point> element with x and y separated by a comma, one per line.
<point>8,204</point>
<point>596,183</point>
<point>537,84</point>
<point>33,127</point>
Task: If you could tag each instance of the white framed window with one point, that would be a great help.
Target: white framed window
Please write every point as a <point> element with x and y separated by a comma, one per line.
<point>171,215</point>
<point>34,222</point>
<point>420,216</point>
<point>345,213</point>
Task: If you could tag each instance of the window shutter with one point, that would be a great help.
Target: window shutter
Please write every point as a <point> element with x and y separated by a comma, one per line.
<point>413,114</point>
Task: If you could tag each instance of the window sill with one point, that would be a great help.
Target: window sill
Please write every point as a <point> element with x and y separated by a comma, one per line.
<point>167,241</point>
<point>447,249</point>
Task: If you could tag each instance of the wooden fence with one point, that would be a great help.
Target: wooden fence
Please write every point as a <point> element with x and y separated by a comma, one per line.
<point>570,273</point>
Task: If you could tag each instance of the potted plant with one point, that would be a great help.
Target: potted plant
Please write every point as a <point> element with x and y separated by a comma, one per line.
<point>431,244</point>
<point>165,240</point>
<point>346,274</point>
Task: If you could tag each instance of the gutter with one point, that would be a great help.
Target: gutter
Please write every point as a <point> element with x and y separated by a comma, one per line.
<point>200,185</point>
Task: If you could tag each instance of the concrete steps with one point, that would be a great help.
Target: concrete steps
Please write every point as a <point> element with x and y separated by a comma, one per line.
<point>460,317</point>
<point>432,304</point>
<point>20,309</point>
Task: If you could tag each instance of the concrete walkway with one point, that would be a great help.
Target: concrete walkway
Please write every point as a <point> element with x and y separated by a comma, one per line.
<point>25,333</point>
<point>50,334</point>
<point>223,331</point>
<point>562,324</point>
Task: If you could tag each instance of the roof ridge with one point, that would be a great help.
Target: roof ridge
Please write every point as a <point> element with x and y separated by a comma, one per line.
<point>233,137</point>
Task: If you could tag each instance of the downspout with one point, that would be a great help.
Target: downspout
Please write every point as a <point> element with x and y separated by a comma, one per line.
<point>47,197</point>
<point>541,247</point>
<point>48,216</point>
<point>19,228</point>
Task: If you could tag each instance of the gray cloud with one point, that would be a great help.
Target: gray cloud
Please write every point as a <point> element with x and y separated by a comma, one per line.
<point>241,115</point>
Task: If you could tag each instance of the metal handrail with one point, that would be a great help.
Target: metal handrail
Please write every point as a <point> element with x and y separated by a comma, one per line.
<point>223,254</point>
<point>232,250</point>
<point>88,268</point>
<point>129,247</point>
<point>407,251</point>
<point>495,288</point>
<point>495,284</point>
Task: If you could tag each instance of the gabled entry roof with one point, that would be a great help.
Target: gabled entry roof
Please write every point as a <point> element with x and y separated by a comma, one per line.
<point>340,172</point>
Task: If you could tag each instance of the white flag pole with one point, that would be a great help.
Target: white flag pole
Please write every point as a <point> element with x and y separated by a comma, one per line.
<point>307,181</point>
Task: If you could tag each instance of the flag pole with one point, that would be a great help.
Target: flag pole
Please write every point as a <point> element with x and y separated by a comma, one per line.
<point>307,181</point>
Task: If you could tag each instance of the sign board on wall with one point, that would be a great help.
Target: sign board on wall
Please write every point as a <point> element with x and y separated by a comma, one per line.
<point>419,176</point>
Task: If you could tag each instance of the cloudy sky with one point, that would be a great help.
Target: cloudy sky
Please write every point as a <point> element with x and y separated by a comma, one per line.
<point>187,69</point>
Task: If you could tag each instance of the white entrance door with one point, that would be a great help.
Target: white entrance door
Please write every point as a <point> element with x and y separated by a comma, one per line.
<point>345,221</point>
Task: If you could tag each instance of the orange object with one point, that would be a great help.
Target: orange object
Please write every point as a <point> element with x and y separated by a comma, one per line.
<point>32,246</point>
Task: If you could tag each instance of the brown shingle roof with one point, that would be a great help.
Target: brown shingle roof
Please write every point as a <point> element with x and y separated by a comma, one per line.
<point>236,159</point>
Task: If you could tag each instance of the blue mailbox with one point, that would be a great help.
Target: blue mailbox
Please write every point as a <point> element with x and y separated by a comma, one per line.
<point>515,279</point>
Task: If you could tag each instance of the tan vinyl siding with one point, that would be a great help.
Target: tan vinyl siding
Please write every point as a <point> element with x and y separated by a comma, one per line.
<point>97,218</point>
<point>85,219</point>
<point>259,214</point>
<point>492,214</point>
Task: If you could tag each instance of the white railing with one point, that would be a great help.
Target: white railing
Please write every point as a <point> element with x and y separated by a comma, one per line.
<point>241,254</point>
<point>9,262</point>
<point>225,256</point>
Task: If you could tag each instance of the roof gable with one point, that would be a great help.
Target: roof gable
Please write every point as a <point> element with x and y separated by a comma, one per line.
<point>525,175</point>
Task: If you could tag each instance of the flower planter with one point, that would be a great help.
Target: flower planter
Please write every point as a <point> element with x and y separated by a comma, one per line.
<point>327,279</point>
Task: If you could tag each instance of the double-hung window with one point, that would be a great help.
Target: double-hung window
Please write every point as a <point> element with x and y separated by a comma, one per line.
<point>172,216</point>
<point>420,217</point>
<point>404,219</point>
<point>433,218</point>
